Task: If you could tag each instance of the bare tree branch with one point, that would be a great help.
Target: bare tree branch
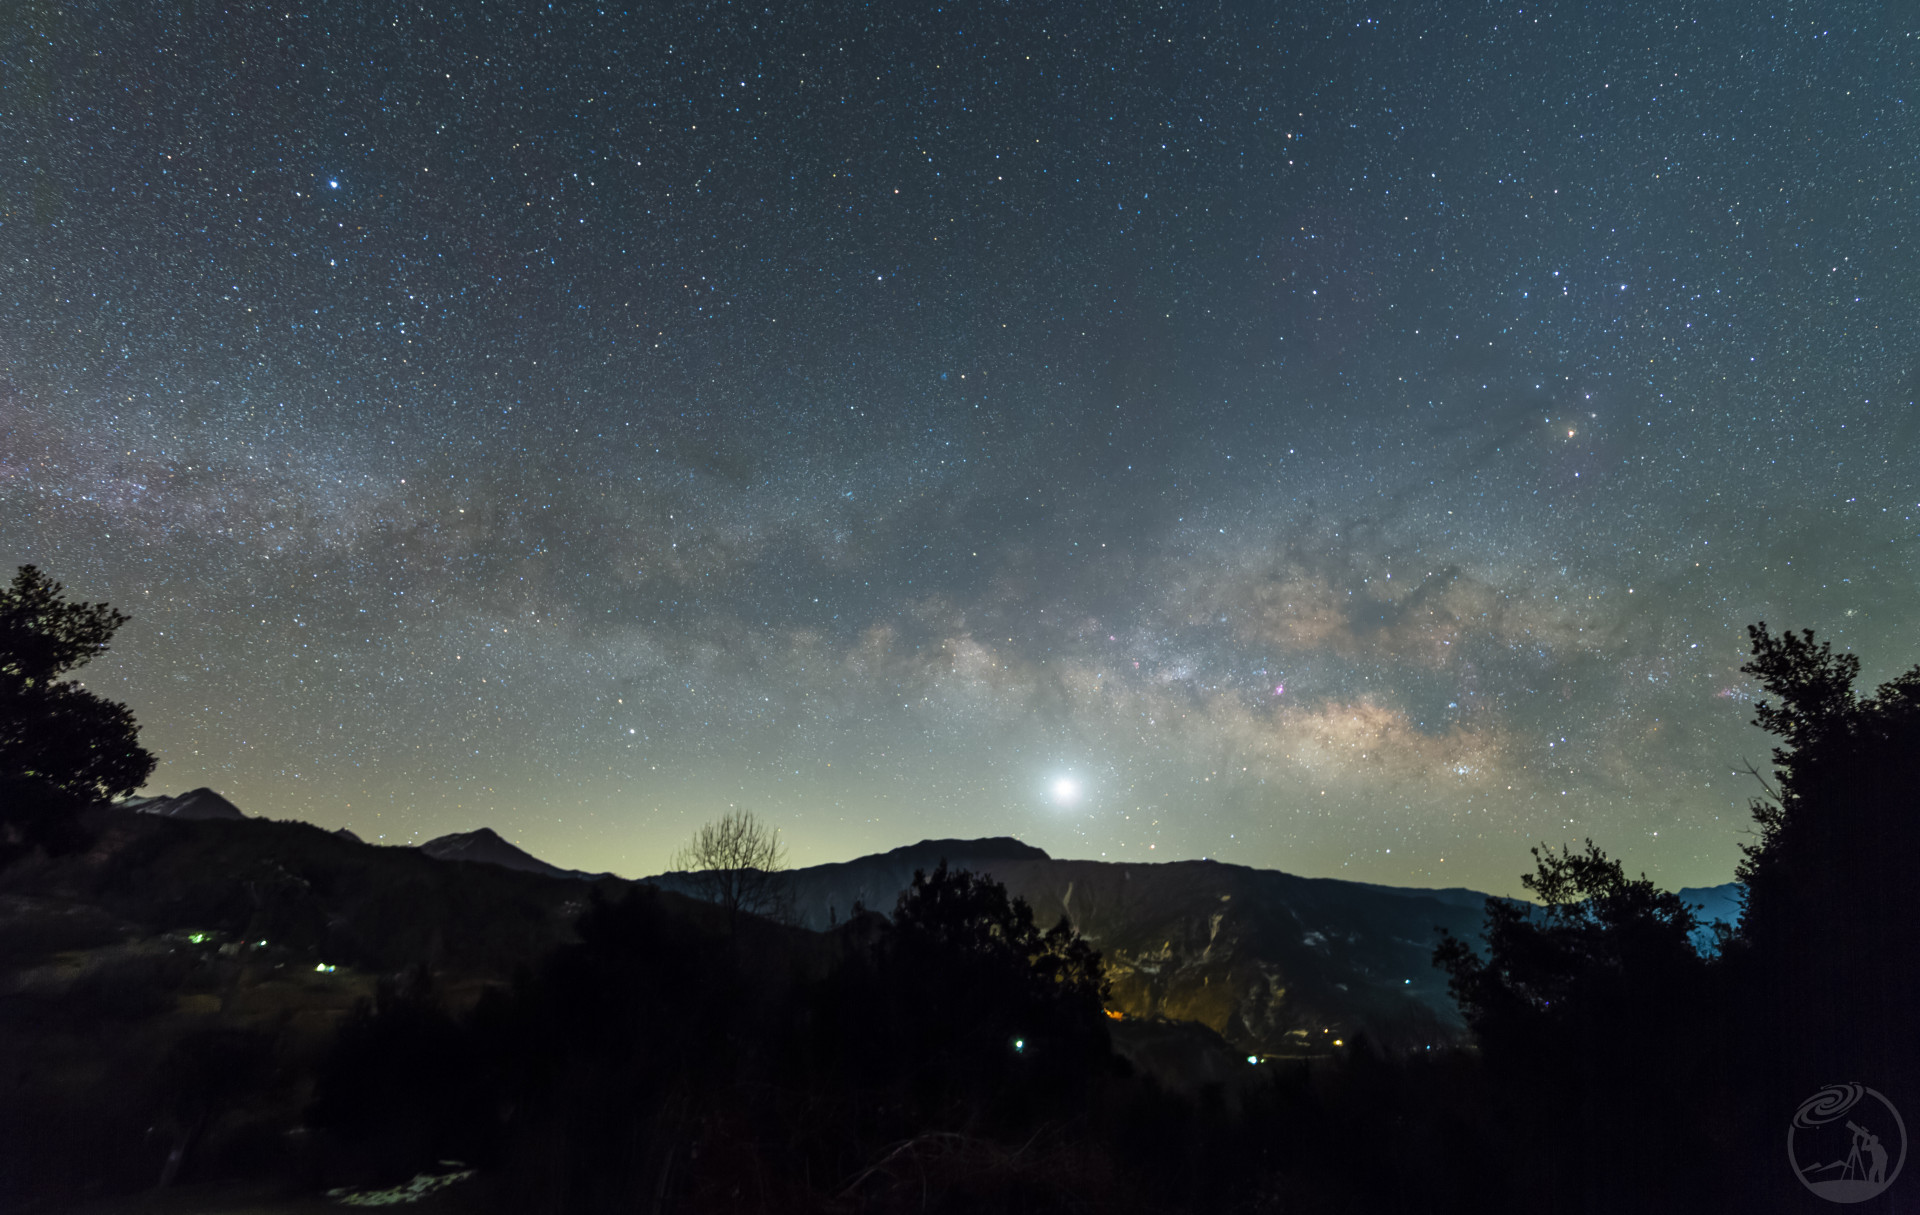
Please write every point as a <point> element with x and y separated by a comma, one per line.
<point>734,861</point>
<point>1769,790</point>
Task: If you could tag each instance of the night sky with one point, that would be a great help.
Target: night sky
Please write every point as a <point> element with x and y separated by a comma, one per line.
<point>1344,438</point>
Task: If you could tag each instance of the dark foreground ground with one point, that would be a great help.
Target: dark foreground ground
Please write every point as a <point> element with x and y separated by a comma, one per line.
<point>222,1017</point>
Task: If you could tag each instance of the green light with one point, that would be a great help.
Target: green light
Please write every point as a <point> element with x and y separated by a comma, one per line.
<point>1019,1045</point>
<point>198,938</point>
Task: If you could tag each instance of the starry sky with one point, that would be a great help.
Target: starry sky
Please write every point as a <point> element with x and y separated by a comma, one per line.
<point>1348,438</point>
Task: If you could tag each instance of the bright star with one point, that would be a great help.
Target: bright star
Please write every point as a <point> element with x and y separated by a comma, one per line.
<point>333,184</point>
<point>1066,791</point>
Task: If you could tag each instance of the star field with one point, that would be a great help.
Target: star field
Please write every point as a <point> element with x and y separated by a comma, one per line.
<point>1350,439</point>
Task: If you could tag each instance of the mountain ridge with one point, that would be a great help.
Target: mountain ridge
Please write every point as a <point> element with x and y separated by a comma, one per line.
<point>484,845</point>
<point>1276,963</point>
<point>193,804</point>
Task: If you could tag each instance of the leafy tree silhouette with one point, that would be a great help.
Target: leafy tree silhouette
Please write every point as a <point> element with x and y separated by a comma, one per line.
<point>989,1008</point>
<point>1597,945</point>
<point>961,914</point>
<point>1594,1000</point>
<point>1829,939</point>
<point>1585,1003</point>
<point>61,746</point>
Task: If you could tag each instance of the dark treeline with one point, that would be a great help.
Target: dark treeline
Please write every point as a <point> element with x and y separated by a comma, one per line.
<point>1625,1070</point>
<point>952,1058</point>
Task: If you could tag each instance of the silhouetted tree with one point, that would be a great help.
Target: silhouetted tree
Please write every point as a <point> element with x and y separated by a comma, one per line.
<point>1598,946</point>
<point>981,996</point>
<point>1590,1002</point>
<point>1829,939</point>
<point>1585,1004</point>
<point>958,913</point>
<point>61,746</point>
<point>735,861</point>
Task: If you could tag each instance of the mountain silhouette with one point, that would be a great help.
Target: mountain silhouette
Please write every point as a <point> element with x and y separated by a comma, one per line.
<point>486,847</point>
<point>193,804</point>
<point>1710,904</point>
<point>1274,963</point>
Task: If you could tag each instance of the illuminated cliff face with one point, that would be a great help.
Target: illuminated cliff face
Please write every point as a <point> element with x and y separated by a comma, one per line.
<point>1245,1003</point>
<point>1269,993</point>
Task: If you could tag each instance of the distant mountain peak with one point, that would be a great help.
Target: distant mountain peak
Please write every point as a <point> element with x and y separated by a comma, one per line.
<point>478,837</point>
<point>485,846</point>
<point>991,848</point>
<point>194,803</point>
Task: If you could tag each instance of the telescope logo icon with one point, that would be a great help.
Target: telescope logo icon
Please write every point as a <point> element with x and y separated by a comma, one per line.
<point>1847,1143</point>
